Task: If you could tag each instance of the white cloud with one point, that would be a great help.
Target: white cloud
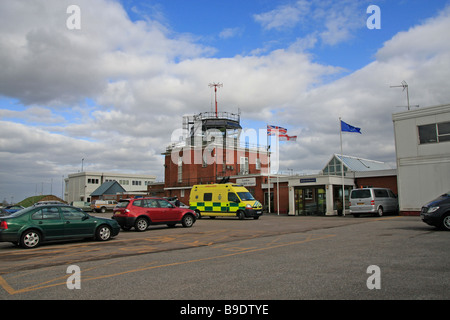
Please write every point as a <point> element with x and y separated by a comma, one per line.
<point>333,21</point>
<point>228,33</point>
<point>284,16</point>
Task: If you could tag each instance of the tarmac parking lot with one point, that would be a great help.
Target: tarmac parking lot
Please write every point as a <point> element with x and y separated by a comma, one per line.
<point>273,258</point>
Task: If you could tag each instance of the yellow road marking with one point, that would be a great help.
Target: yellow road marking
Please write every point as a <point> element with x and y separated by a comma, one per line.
<point>4,284</point>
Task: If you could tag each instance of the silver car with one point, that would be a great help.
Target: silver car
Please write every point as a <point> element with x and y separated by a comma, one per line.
<point>374,201</point>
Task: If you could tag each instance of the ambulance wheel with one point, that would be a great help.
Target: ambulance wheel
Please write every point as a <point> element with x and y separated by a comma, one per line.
<point>241,215</point>
<point>199,216</point>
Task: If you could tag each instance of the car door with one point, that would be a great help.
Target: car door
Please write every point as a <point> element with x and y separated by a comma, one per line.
<point>48,219</point>
<point>393,201</point>
<point>77,223</point>
<point>168,212</point>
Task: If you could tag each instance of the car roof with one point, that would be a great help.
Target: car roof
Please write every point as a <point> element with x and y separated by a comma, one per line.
<point>142,198</point>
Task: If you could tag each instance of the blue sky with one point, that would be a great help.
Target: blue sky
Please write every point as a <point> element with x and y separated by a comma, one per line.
<point>232,27</point>
<point>114,91</point>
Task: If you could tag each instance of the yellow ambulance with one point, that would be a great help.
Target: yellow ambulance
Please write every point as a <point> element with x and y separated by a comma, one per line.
<point>224,200</point>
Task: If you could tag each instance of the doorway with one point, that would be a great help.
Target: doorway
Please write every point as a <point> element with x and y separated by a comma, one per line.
<point>310,201</point>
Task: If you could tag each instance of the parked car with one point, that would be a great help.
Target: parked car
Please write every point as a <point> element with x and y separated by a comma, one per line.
<point>41,203</point>
<point>376,201</point>
<point>83,205</point>
<point>103,205</point>
<point>3,212</point>
<point>437,212</point>
<point>13,208</point>
<point>142,212</point>
<point>30,226</point>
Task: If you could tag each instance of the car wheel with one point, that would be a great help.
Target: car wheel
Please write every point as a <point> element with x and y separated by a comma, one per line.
<point>380,212</point>
<point>446,223</point>
<point>187,221</point>
<point>241,215</point>
<point>103,233</point>
<point>30,239</point>
<point>141,224</point>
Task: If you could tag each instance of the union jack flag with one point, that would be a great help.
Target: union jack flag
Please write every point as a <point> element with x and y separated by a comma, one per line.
<point>272,130</point>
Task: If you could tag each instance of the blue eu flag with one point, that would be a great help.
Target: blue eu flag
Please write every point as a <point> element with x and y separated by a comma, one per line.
<point>348,128</point>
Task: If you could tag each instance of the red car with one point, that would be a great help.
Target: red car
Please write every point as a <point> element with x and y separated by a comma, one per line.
<point>142,212</point>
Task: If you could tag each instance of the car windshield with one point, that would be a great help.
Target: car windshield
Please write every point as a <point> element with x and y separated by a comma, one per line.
<point>245,196</point>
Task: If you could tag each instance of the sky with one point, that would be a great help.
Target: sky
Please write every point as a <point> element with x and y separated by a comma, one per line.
<point>109,81</point>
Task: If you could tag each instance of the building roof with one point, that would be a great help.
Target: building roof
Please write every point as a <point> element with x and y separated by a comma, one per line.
<point>359,164</point>
<point>108,187</point>
<point>352,164</point>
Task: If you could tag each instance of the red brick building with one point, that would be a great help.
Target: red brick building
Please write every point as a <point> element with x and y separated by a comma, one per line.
<point>210,150</point>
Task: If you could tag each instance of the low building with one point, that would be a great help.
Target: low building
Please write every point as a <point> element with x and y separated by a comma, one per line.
<point>422,143</point>
<point>79,186</point>
<point>108,191</point>
<point>321,194</point>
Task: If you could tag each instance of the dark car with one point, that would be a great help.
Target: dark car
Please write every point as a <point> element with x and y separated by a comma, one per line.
<point>30,226</point>
<point>437,212</point>
<point>142,212</point>
<point>3,212</point>
<point>13,208</point>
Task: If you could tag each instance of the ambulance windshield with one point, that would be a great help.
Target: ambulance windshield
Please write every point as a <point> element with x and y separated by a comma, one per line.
<point>245,196</point>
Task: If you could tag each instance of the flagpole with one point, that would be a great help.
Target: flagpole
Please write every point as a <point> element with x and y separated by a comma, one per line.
<point>342,169</point>
<point>268,171</point>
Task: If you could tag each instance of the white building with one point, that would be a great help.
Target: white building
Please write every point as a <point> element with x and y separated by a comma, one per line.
<point>422,142</point>
<point>318,194</point>
<point>80,185</point>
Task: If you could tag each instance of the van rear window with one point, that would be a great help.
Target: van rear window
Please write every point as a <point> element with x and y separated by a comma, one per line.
<point>358,194</point>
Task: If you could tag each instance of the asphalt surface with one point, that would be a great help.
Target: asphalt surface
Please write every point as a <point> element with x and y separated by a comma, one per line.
<point>273,258</point>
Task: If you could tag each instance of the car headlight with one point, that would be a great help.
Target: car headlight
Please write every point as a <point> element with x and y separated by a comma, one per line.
<point>249,206</point>
<point>432,209</point>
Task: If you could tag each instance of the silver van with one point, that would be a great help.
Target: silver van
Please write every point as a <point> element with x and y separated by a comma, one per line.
<point>375,201</point>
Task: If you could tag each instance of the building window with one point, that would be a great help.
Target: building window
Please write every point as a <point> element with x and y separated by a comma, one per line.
<point>244,165</point>
<point>434,133</point>
<point>93,181</point>
<point>180,170</point>
<point>258,164</point>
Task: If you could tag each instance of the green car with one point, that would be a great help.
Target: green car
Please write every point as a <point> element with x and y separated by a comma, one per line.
<point>30,226</point>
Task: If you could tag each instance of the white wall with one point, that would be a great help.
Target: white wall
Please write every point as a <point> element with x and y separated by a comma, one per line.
<point>423,171</point>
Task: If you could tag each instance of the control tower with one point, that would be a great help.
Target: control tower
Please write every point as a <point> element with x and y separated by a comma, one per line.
<point>226,124</point>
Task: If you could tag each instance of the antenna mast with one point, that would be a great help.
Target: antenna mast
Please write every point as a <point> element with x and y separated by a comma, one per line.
<point>215,85</point>
<point>404,85</point>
